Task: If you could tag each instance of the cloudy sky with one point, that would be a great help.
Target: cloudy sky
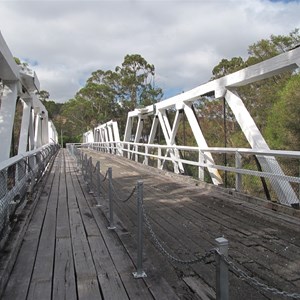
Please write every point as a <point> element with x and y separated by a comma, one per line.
<point>64,41</point>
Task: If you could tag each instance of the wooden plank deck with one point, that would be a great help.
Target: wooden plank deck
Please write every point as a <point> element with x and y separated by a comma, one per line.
<point>68,253</point>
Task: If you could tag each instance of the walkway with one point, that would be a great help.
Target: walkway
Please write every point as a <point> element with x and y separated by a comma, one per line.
<point>68,252</point>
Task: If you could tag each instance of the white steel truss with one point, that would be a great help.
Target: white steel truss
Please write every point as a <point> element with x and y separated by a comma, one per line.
<point>21,84</point>
<point>108,133</point>
<point>222,88</point>
<point>225,88</point>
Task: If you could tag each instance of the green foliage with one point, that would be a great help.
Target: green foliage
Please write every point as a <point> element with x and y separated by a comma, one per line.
<point>262,99</point>
<point>283,127</point>
<point>226,67</point>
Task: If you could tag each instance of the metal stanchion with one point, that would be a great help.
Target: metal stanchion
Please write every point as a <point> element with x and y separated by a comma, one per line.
<point>90,176</point>
<point>222,281</point>
<point>111,212</point>
<point>139,272</point>
<point>98,183</point>
<point>85,168</point>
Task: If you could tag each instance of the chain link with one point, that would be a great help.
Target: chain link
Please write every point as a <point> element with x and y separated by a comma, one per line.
<point>253,281</point>
<point>105,177</point>
<point>162,249</point>
<point>123,200</point>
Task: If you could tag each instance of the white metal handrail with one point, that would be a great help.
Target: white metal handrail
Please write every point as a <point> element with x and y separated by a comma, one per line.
<point>133,150</point>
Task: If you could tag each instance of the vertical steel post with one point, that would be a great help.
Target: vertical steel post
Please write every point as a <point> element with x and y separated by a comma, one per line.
<point>146,159</point>
<point>128,151</point>
<point>136,149</point>
<point>85,167</point>
<point>222,280</point>
<point>201,167</point>
<point>140,273</point>
<point>159,158</point>
<point>90,164</point>
<point>98,183</point>
<point>111,209</point>
<point>238,176</point>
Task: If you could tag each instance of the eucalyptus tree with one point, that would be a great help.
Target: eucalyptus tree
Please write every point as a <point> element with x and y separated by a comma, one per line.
<point>137,82</point>
<point>111,94</point>
<point>259,97</point>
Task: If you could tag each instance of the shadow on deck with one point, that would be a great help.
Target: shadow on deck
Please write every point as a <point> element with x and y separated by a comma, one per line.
<point>67,252</point>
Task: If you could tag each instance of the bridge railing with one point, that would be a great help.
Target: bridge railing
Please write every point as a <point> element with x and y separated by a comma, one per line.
<point>18,176</point>
<point>239,167</point>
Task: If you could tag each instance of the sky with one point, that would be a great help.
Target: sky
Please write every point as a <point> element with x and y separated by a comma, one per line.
<point>65,41</point>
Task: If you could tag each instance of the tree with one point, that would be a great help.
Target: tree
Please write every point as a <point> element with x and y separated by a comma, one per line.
<point>43,96</point>
<point>111,94</point>
<point>226,67</point>
<point>259,97</point>
<point>136,78</point>
<point>283,127</point>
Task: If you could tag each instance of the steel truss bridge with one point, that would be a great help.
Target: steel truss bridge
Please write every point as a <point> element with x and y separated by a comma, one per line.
<point>278,184</point>
<point>67,239</point>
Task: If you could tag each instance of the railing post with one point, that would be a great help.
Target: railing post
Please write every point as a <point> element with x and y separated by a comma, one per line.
<point>136,149</point>
<point>128,151</point>
<point>146,156</point>
<point>110,199</point>
<point>139,272</point>
<point>85,168</point>
<point>222,280</point>
<point>238,176</point>
<point>201,163</point>
<point>159,159</point>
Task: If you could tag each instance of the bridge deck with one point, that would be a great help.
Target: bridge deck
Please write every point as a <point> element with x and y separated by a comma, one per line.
<point>68,252</point>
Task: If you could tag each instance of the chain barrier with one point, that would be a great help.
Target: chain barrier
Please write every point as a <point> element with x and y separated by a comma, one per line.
<point>105,177</point>
<point>254,282</point>
<point>123,200</point>
<point>162,249</point>
<point>242,274</point>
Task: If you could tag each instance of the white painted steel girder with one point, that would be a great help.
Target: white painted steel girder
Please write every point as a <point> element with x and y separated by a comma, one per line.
<point>9,70</point>
<point>20,82</point>
<point>53,135</point>
<point>88,137</point>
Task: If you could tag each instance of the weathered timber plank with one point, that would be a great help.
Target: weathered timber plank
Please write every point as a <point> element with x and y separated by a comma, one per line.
<point>108,276</point>
<point>62,222</point>
<point>86,277</point>
<point>64,284</point>
<point>18,284</point>
<point>88,288</point>
<point>90,226</point>
<point>205,292</point>
<point>136,289</point>
<point>82,256</point>
<point>41,280</point>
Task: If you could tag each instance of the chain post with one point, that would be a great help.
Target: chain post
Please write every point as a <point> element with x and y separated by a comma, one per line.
<point>111,212</point>
<point>222,280</point>
<point>90,176</point>
<point>98,183</point>
<point>85,167</point>
<point>140,273</point>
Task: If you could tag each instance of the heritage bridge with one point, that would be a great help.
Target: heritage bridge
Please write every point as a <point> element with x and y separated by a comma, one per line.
<point>76,223</point>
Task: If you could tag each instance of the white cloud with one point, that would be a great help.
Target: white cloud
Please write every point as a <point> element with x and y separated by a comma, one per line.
<point>183,39</point>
